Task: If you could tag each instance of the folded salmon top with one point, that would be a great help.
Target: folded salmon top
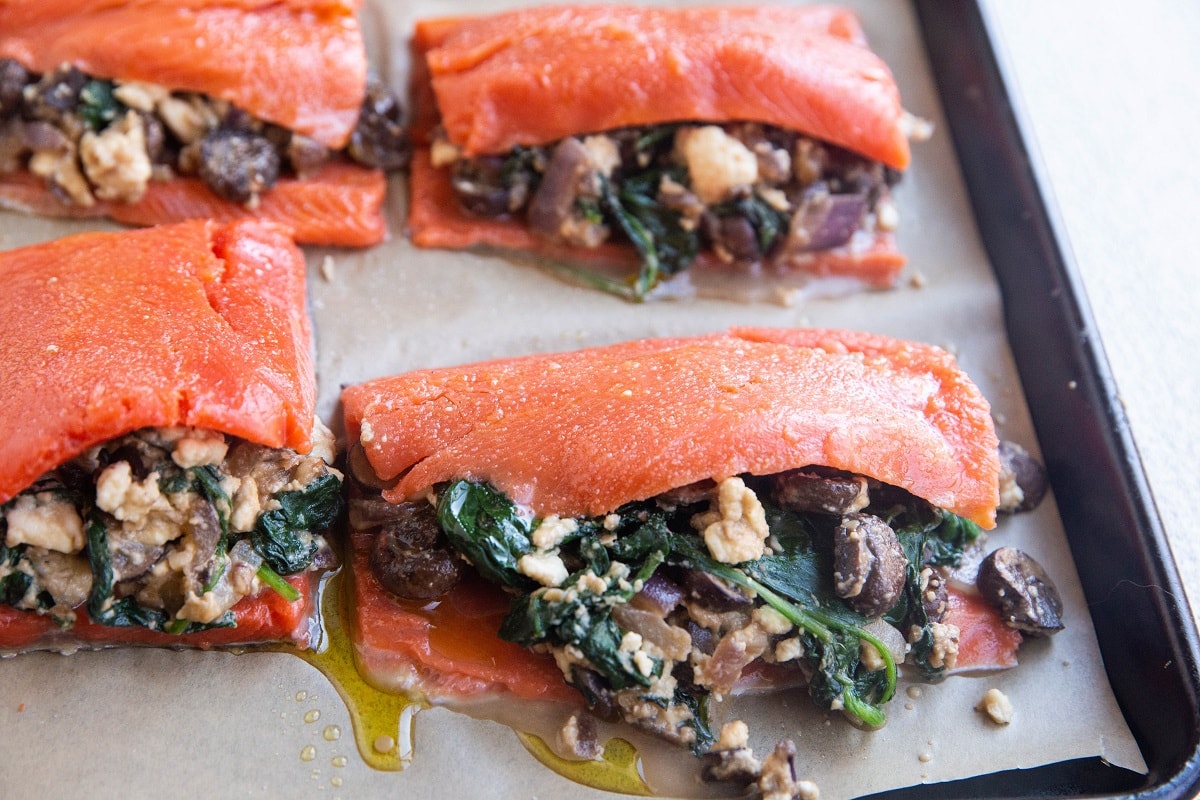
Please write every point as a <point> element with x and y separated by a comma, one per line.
<point>534,76</point>
<point>584,432</point>
<point>734,136</point>
<point>158,405</point>
<point>259,108</point>
<point>670,521</point>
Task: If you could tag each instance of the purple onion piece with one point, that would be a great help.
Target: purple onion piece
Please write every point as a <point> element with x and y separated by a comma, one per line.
<point>825,221</point>
<point>660,595</point>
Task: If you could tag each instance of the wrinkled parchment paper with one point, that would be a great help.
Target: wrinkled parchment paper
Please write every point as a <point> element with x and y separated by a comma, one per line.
<point>145,722</point>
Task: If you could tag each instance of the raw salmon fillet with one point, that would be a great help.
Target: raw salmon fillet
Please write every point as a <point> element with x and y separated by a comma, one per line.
<point>201,324</point>
<point>264,618</point>
<point>984,641</point>
<point>341,204</point>
<point>581,433</point>
<point>536,75</point>
<point>447,648</point>
<point>298,63</point>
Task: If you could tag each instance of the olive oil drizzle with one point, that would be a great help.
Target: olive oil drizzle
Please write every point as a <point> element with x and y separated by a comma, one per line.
<point>380,717</point>
<point>618,770</point>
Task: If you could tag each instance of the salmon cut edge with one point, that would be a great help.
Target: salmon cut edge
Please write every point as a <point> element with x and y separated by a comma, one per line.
<point>340,204</point>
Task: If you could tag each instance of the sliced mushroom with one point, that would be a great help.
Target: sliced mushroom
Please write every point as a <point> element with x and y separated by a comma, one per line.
<point>361,471</point>
<point>13,78</point>
<point>1015,583</point>
<point>380,138</point>
<point>554,210</point>
<point>808,491</point>
<point>406,560</point>
<point>934,594</point>
<point>869,565</point>
<point>596,692</point>
<point>238,165</point>
<point>732,237</point>
<point>1023,480</point>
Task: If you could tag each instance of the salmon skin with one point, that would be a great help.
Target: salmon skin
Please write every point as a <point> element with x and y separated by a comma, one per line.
<point>228,67</point>
<point>757,401</point>
<point>586,136</point>
<point>823,478</point>
<point>300,63</point>
<point>152,377</point>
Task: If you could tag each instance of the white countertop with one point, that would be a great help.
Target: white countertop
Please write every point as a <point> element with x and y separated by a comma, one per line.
<point>1110,93</point>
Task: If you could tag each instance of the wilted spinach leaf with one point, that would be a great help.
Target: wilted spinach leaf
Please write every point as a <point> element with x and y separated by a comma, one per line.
<point>283,536</point>
<point>487,528</point>
<point>104,609</point>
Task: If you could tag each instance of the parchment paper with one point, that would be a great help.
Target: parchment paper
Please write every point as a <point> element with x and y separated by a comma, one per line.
<point>186,724</point>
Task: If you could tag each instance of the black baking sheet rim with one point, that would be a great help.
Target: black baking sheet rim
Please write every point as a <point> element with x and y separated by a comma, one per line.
<point>1146,632</point>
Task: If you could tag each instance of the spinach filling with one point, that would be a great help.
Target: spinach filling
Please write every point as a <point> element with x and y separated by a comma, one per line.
<point>284,540</point>
<point>611,559</point>
<point>638,185</point>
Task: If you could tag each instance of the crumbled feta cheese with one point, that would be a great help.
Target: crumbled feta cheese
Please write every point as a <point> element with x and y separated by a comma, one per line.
<point>545,568</point>
<point>997,706</point>
<point>592,583</point>
<point>945,645</point>
<point>887,217</point>
<point>734,734</point>
<point>771,621</point>
<point>246,507</point>
<point>140,95</point>
<point>551,531</point>
<point>442,153</point>
<point>115,159</point>
<point>717,163</point>
<point>644,663</point>
<point>44,520</point>
<point>324,445</point>
<point>200,447</point>
<point>602,153</point>
<point>869,655</point>
<point>736,530</point>
<point>366,433</point>
<point>789,650</point>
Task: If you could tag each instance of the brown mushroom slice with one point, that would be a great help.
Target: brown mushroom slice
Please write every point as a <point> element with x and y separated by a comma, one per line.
<point>869,564</point>
<point>1023,479</point>
<point>806,490</point>
<point>406,561</point>
<point>1019,587</point>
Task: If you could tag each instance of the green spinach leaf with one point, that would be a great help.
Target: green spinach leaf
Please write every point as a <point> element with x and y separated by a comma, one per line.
<point>283,537</point>
<point>487,528</point>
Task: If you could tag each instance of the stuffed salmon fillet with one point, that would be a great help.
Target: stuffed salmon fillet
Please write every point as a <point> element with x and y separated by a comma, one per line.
<point>163,477</point>
<point>259,109</point>
<point>667,521</point>
<point>738,136</point>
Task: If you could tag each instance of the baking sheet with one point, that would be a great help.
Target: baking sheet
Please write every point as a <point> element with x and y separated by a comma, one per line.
<point>268,724</point>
